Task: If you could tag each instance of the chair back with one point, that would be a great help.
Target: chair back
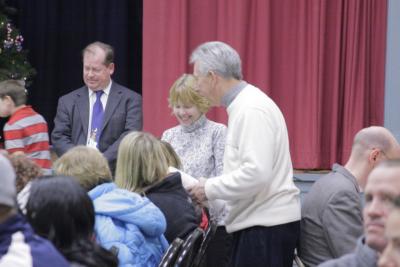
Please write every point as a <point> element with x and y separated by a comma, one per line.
<point>170,256</point>
<point>208,235</point>
<point>297,259</point>
<point>190,248</point>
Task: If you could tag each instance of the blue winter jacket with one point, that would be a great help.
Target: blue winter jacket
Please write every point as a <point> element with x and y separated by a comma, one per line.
<point>131,223</point>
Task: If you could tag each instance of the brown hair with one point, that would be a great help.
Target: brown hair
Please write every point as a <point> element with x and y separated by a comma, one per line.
<point>15,90</point>
<point>108,50</point>
<point>25,170</point>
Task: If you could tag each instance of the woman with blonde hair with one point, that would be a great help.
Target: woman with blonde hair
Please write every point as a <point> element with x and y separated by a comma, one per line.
<point>200,144</point>
<point>198,141</point>
<point>142,167</point>
<point>125,221</point>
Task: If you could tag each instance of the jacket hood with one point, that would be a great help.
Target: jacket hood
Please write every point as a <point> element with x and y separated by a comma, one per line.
<point>128,207</point>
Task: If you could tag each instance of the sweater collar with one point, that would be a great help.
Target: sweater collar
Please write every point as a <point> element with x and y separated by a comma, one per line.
<point>232,93</point>
<point>195,125</point>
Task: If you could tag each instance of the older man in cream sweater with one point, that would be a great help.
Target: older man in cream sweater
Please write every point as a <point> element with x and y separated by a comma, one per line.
<point>257,182</point>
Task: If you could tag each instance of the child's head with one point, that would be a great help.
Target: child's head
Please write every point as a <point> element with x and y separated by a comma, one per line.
<point>12,95</point>
<point>60,210</point>
<point>141,162</point>
<point>86,164</point>
<point>25,169</point>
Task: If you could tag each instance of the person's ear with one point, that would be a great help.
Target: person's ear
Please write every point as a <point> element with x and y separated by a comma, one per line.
<point>213,77</point>
<point>7,99</point>
<point>111,68</point>
<point>373,155</point>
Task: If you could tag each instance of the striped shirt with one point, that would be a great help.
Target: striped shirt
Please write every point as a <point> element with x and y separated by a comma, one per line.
<point>27,131</point>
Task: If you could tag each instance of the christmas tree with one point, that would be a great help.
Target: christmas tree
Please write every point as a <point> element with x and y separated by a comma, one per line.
<point>13,58</point>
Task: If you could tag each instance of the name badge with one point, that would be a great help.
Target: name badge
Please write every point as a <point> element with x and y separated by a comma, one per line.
<point>92,139</point>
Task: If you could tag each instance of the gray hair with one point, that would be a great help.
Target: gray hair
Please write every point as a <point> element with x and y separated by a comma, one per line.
<point>218,57</point>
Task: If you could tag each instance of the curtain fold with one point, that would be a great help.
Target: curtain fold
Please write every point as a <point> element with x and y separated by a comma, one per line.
<point>321,61</point>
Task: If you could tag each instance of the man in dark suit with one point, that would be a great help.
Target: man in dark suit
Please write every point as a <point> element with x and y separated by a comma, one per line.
<point>331,215</point>
<point>100,113</point>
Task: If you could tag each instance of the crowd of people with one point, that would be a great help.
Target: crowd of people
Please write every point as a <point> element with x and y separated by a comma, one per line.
<point>118,196</point>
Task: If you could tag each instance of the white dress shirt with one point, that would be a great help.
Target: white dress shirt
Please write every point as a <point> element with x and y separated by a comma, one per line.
<point>92,100</point>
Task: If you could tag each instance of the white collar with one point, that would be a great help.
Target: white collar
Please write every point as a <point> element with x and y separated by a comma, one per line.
<point>106,90</point>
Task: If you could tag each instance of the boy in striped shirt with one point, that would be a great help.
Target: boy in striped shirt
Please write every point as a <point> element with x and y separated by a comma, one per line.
<point>25,131</point>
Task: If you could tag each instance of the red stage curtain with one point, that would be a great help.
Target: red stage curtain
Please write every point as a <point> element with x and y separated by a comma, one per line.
<point>322,61</point>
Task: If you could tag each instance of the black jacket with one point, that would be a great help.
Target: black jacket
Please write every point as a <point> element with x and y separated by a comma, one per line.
<point>172,199</point>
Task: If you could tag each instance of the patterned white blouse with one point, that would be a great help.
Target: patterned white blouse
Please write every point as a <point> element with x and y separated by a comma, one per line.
<point>200,146</point>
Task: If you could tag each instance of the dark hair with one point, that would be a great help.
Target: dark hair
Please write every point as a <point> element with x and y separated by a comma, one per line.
<point>60,210</point>
<point>15,90</point>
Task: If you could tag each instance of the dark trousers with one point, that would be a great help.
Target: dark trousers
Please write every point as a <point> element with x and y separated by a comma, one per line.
<point>265,246</point>
<point>219,249</point>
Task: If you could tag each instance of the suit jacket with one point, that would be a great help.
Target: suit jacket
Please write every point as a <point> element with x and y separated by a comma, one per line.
<point>331,217</point>
<point>363,256</point>
<point>123,114</point>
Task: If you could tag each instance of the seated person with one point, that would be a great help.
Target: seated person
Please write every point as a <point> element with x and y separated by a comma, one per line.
<point>142,167</point>
<point>383,186</point>
<point>25,170</point>
<point>390,257</point>
<point>131,224</point>
<point>331,211</point>
<point>59,209</point>
<point>86,164</point>
<point>19,245</point>
<point>174,165</point>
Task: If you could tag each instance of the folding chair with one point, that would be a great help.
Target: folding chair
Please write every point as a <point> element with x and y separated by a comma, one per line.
<point>170,256</point>
<point>297,259</point>
<point>208,235</point>
<point>190,248</point>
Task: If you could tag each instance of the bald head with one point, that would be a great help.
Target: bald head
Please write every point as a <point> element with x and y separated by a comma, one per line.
<point>376,137</point>
<point>370,146</point>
